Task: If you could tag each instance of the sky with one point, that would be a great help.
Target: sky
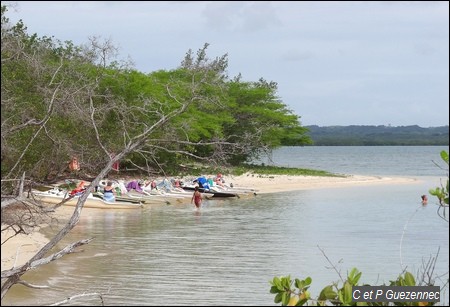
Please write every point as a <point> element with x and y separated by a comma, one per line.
<point>335,63</point>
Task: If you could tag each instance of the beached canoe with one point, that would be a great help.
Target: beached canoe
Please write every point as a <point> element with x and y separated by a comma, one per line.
<point>53,197</point>
<point>148,198</point>
<point>215,192</point>
<point>210,193</point>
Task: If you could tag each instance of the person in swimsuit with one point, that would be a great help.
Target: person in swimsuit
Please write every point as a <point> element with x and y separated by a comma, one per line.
<point>197,198</point>
<point>108,192</point>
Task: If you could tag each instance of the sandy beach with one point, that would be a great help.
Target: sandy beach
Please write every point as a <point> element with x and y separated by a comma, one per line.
<point>284,183</point>
<point>21,248</point>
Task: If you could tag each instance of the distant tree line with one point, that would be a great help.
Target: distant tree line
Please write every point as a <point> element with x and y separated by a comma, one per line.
<point>356,135</point>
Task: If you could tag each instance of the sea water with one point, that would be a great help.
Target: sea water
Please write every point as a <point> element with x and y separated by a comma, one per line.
<point>227,252</point>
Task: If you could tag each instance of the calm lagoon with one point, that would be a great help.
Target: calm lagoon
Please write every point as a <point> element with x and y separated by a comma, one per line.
<point>227,253</point>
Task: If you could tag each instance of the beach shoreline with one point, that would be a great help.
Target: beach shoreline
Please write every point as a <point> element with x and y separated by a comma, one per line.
<point>264,184</point>
<point>21,248</point>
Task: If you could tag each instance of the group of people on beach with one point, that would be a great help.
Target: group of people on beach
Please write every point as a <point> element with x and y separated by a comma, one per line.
<point>135,185</point>
<point>110,191</point>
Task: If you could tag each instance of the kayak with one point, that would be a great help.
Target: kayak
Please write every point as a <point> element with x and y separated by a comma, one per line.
<point>55,197</point>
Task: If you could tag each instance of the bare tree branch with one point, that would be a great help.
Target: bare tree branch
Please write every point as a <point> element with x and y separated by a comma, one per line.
<point>329,261</point>
<point>75,297</point>
<point>27,284</point>
<point>34,264</point>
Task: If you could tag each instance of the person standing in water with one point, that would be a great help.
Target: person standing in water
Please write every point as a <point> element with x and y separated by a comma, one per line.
<point>108,192</point>
<point>424,199</point>
<point>197,198</point>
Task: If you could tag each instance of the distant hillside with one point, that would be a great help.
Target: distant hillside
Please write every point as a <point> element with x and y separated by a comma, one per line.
<point>378,135</point>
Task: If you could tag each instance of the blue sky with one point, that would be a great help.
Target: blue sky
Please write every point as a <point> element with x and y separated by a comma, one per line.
<point>336,63</point>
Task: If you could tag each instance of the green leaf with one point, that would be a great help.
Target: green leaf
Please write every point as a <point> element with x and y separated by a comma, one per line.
<point>354,276</point>
<point>277,283</point>
<point>409,279</point>
<point>298,283</point>
<point>274,289</point>
<point>274,281</point>
<point>352,273</point>
<point>285,297</point>
<point>308,281</point>
<point>277,298</point>
<point>341,296</point>
<point>327,293</point>
<point>444,156</point>
<point>286,282</point>
<point>347,293</point>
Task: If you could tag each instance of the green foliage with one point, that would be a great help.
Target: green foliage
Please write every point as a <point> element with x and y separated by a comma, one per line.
<point>334,294</point>
<point>258,112</point>
<point>258,170</point>
<point>289,293</point>
<point>279,170</point>
<point>441,192</point>
<point>60,100</point>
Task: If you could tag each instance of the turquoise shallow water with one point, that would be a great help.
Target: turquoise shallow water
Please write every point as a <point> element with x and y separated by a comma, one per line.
<point>227,253</point>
